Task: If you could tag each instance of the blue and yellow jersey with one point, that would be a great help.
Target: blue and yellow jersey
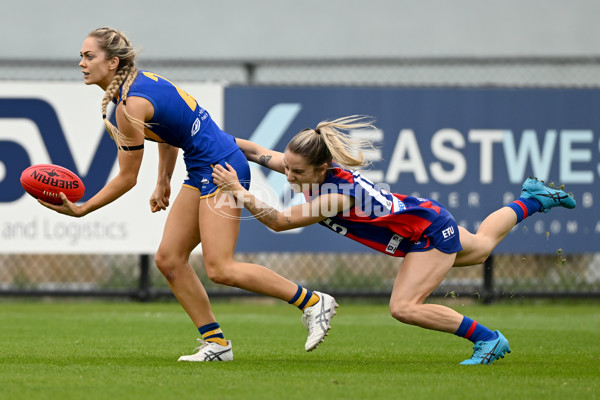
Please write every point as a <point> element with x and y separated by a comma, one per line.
<point>179,121</point>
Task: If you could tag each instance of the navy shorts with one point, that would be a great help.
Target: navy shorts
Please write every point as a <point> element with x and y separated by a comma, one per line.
<point>442,234</point>
<point>200,178</point>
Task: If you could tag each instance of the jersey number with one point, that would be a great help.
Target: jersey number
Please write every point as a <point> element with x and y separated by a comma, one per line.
<point>335,227</point>
<point>190,101</point>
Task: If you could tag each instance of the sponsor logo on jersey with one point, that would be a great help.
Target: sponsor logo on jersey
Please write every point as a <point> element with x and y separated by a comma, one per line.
<point>448,232</point>
<point>393,244</point>
<point>196,126</point>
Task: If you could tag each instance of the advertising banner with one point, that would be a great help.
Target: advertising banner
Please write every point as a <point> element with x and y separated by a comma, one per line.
<point>60,123</point>
<point>469,148</point>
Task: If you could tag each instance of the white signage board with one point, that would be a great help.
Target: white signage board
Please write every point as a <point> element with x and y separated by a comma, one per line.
<point>124,226</point>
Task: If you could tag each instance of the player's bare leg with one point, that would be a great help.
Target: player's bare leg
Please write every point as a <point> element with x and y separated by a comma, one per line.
<point>477,247</point>
<point>219,228</point>
<point>181,235</point>
<point>415,281</point>
<point>535,197</point>
<point>218,247</point>
<point>419,274</point>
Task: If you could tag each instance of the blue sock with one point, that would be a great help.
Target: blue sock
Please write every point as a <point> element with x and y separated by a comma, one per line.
<point>525,207</point>
<point>475,332</point>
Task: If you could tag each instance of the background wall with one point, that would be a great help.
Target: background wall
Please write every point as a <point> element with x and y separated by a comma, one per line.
<point>378,44</point>
<point>311,28</point>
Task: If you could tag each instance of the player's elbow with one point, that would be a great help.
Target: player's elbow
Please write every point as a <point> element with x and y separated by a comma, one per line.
<point>128,181</point>
<point>272,224</point>
<point>275,220</point>
<point>270,221</point>
<point>281,226</point>
<point>276,227</point>
<point>131,182</point>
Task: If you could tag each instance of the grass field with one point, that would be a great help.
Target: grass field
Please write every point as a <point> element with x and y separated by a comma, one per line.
<point>82,349</point>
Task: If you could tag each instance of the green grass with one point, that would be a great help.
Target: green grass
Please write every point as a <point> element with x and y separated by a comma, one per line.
<point>102,350</point>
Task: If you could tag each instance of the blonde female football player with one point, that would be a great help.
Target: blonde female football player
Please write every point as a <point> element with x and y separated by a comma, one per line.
<point>420,230</point>
<point>149,106</point>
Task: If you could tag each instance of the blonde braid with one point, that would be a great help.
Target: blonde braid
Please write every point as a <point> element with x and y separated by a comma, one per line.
<point>126,86</point>
<point>115,44</point>
<point>111,92</point>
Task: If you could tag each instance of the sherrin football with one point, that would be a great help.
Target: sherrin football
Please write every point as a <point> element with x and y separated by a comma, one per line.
<point>46,181</point>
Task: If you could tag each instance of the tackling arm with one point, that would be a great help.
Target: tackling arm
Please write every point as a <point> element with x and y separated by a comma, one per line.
<point>309,213</point>
<point>258,154</point>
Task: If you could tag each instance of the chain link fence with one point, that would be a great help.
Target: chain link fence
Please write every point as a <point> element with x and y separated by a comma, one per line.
<point>356,274</point>
<point>513,72</point>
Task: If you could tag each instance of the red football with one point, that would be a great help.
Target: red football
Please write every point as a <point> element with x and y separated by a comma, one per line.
<point>46,181</point>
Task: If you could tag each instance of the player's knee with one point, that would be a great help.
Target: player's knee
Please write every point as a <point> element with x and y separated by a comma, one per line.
<point>482,258</point>
<point>485,246</point>
<point>403,312</point>
<point>219,272</point>
<point>166,264</point>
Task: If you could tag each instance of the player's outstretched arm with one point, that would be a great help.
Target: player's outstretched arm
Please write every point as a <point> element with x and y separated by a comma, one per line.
<point>129,163</point>
<point>317,210</point>
<point>258,154</point>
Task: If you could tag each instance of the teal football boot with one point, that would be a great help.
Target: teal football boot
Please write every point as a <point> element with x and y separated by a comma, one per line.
<point>549,197</point>
<point>488,352</point>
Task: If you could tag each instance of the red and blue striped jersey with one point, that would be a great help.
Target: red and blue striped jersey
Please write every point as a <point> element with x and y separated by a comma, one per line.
<point>384,221</point>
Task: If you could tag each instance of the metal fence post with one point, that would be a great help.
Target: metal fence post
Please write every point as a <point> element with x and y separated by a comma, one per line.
<point>250,68</point>
<point>488,280</point>
<point>144,284</point>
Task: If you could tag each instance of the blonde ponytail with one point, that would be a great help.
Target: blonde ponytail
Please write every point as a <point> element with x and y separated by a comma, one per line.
<point>327,143</point>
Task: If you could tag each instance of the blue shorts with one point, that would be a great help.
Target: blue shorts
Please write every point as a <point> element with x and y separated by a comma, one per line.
<point>200,178</point>
<point>442,234</point>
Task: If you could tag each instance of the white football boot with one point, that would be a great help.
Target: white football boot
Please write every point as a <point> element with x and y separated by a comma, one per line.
<point>317,320</point>
<point>210,351</point>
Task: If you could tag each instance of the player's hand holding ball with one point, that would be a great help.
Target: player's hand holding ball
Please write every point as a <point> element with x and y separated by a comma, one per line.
<point>67,207</point>
<point>54,187</point>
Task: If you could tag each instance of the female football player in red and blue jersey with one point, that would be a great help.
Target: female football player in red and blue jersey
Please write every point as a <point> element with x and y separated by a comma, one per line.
<point>149,106</point>
<point>319,162</point>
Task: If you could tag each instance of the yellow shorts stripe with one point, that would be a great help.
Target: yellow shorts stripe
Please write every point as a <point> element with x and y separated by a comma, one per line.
<point>211,194</point>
